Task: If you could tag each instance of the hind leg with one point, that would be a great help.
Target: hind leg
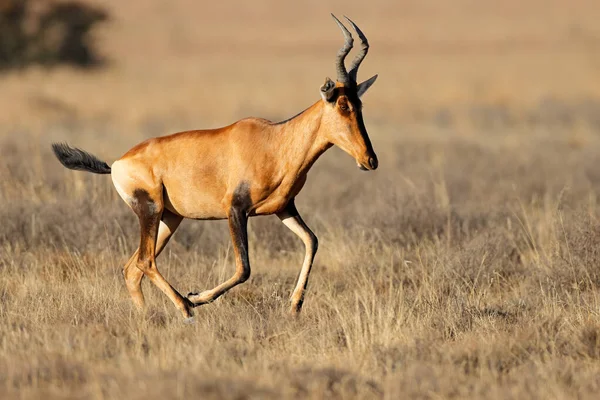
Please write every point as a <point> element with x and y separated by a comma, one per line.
<point>133,275</point>
<point>148,206</point>
<point>139,188</point>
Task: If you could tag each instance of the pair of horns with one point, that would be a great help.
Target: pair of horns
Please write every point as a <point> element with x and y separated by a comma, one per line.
<point>343,76</point>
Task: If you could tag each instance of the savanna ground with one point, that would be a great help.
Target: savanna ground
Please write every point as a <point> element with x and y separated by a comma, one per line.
<point>466,266</point>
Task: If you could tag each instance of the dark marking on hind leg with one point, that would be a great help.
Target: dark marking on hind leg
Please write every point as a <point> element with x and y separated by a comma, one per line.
<point>146,209</point>
<point>149,211</point>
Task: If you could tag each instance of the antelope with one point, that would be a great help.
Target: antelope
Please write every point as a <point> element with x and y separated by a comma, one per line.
<point>250,168</point>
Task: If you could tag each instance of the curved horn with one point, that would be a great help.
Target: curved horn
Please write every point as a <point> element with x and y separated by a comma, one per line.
<point>364,49</point>
<point>342,73</point>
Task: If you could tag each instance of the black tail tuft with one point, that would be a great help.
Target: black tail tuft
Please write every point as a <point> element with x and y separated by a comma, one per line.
<point>74,158</point>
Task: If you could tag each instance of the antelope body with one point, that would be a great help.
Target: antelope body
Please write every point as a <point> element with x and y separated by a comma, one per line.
<point>252,167</point>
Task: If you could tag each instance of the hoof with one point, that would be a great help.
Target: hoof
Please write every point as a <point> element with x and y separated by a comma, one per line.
<point>294,312</point>
<point>189,321</point>
<point>296,308</point>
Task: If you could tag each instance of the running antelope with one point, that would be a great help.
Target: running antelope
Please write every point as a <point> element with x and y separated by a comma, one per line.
<point>252,167</point>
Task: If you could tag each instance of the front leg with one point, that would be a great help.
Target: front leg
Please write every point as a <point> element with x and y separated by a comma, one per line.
<point>238,227</point>
<point>291,218</point>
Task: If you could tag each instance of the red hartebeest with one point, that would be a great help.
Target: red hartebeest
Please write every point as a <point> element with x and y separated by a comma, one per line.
<point>252,167</point>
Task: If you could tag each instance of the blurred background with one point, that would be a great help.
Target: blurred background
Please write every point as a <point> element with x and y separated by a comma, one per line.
<point>151,67</point>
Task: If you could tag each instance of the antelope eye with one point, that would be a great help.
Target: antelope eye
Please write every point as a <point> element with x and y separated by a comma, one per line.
<point>344,107</point>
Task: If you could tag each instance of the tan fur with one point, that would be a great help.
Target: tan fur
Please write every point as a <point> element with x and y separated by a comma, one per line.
<point>252,167</point>
<point>200,169</point>
<point>195,174</point>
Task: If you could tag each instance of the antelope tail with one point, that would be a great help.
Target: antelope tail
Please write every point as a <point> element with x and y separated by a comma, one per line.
<point>77,159</point>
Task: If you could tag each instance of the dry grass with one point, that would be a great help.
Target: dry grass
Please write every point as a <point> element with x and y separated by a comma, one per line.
<point>465,267</point>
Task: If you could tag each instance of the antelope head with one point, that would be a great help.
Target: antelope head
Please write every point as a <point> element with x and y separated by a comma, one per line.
<point>342,116</point>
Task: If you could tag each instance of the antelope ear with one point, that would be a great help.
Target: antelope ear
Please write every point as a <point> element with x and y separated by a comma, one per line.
<point>327,89</point>
<point>364,86</point>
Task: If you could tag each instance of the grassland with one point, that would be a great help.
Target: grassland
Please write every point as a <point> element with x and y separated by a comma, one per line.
<point>466,266</point>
